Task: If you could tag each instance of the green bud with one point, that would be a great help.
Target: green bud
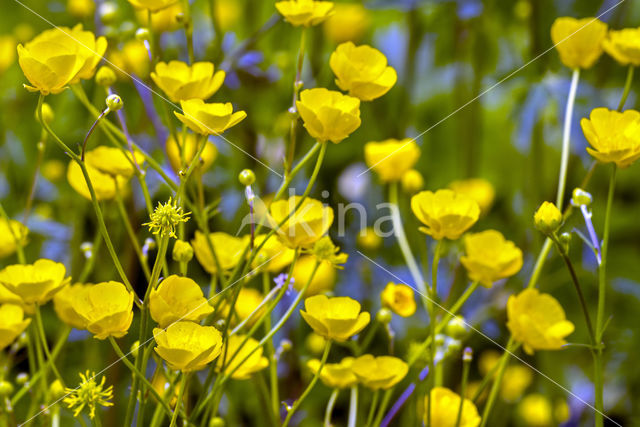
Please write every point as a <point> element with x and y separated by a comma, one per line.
<point>22,378</point>
<point>114,102</point>
<point>548,218</point>
<point>108,12</point>
<point>56,390</point>
<point>182,251</point>
<point>216,422</point>
<point>142,34</point>
<point>105,76</point>
<point>565,240</point>
<point>457,328</point>
<point>135,348</point>
<point>247,177</point>
<point>581,198</point>
<point>384,316</point>
<point>6,388</point>
<point>453,347</point>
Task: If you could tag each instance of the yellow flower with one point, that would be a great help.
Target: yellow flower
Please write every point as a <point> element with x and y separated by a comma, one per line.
<point>248,301</point>
<point>515,381</point>
<point>208,119</point>
<point>537,321</point>
<point>178,298</point>
<point>181,81</point>
<point>107,309</point>
<point>445,213</point>
<point>478,189</point>
<point>189,144</point>
<point>444,407</point>
<point>337,318</point>
<point>536,411</point>
<point>326,252</point>
<point>614,136</point>
<point>399,298</point>
<point>60,56</point>
<point>412,181</point>
<point>328,115</point>
<point>152,5</point>
<point>187,346</point>
<point>624,46</point>
<point>7,51</point>
<point>324,280</point>
<point>349,23</point>
<point>308,223</point>
<point>362,71</point>
<point>273,256</point>
<point>166,217</point>
<point>133,58</point>
<point>335,375</point>
<point>12,323</point>
<point>578,41</point>
<point>392,158</point>
<point>254,363</point>
<point>490,257</point>
<point>35,283</point>
<point>11,232</point>
<point>229,250</point>
<point>228,12</point>
<point>89,393</point>
<point>166,19</point>
<point>382,372</point>
<point>104,185</point>
<point>113,161</point>
<point>182,251</point>
<point>304,12</point>
<point>80,8</point>
<point>369,239</point>
<point>63,305</point>
<point>547,218</point>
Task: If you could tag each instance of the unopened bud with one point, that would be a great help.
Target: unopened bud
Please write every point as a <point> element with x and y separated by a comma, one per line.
<point>182,251</point>
<point>56,390</point>
<point>105,76</point>
<point>22,378</point>
<point>384,316</point>
<point>142,34</point>
<point>581,198</point>
<point>108,11</point>
<point>547,218</point>
<point>247,177</point>
<point>216,422</point>
<point>6,388</point>
<point>457,328</point>
<point>467,354</point>
<point>565,240</point>
<point>114,102</point>
<point>135,349</point>
<point>412,181</point>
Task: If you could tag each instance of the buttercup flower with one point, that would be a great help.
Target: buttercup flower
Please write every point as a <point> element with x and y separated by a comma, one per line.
<point>133,58</point>
<point>208,119</point>
<point>337,318</point>
<point>578,41</point>
<point>392,158</point>
<point>248,301</point>
<point>104,185</point>
<point>165,218</point>
<point>412,181</point>
<point>113,161</point>
<point>228,249</point>
<point>445,213</point>
<point>189,145</point>
<point>335,375</point>
<point>382,372</point>
<point>399,298</point>
<point>478,189</point>
<point>547,218</point>
<point>624,46</point>
<point>152,5</point>
<point>328,115</point>
<point>60,56</point>
<point>254,363</point>
<point>11,232</point>
<point>182,251</point>
<point>489,257</point>
<point>88,394</point>
<point>324,280</point>
<point>515,381</point>
<point>63,305</point>
<point>444,408</point>
<point>325,251</point>
<point>181,81</point>
<point>304,12</point>
<point>35,283</point>
<point>273,256</point>
<point>362,71</point>
<point>614,136</point>
<point>536,410</point>
<point>348,23</point>
<point>7,51</point>
<point>107,309</point>
<point>12,324</point>
<point>178,298</point>
<point>167,19</point>
<point>307,224</point>
<point>537,321</point>
<point>187,346</point>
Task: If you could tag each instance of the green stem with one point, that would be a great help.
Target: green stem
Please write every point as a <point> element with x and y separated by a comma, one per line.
<point>313,382</point>
<point>627,87</point>
<point>372,407</point>
<point>383,407</point>
<point>297,83</point>
<point>188,30</point>
<point>183,385</point>
<point>566,135</point>
<point>34,181</point>
<point>495,388</point>
<point>404,244</point>
<point>45,346</point>
<point>130,232</point>
<point>271,354</point>
<point>466,363</point>
<point>329,411</point>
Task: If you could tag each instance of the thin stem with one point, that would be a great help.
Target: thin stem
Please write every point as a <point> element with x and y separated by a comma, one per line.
<point>330,404</point>
<point>466,363</point>
<point>271,354</point>
<point>404,244</point>
<point>183,385</point>
<point>313,382</point>
<point>93,126</point>
<point>130,232</point>
<point>497,383</point>
<point>627,87</point>
<point>432,324</point>
<point>372,407</point>
<point>188,29</point>
<point>297,84</point>
<point>353,406</point>
<point>566,135</point>
<point>34,181</point>
<point>45,346</point>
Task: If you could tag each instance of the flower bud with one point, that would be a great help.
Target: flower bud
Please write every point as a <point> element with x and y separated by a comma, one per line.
<point>142,34</point>
<point>384,316</point>
<point>216,422</point>
<point>457,328</point>
<point>114,102</point>
<point>56,390</point>
<point>412,181</point>
<point>247,177</point>
<point>135,349</point>
<point>581,198</point>
<point>315,343</point>
<point>6,388</point>
<point>467,354</point>
<point>369,239</point>
<point>286,345</point>
<point>105,76</point>
<point>108,12</point>
<point>22,378</point>
<point>47,113</point>
<point>453,347</point>
<point>547,218</point>
<point>565,240</point>
<point>182,251</point>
